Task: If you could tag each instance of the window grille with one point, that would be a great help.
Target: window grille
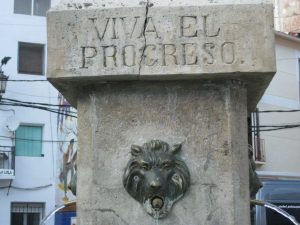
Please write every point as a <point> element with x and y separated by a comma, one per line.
<point>26,213</point>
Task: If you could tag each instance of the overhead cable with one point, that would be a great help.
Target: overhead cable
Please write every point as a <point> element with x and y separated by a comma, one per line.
<point>33,140</point>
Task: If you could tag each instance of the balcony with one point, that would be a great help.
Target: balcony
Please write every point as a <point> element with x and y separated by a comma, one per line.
<point>7,163</point>
<point>257,143</point>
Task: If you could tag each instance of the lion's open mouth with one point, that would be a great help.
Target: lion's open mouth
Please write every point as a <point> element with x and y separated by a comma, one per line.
<point>157,202</point>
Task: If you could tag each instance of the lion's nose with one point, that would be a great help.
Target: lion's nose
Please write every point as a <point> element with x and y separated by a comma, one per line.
<point>155,184</point>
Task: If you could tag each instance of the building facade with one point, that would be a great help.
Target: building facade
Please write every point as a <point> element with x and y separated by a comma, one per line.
<point>35,137</point>
<point>28,119</point>
<point>276,130</point>
<point>280,147</point>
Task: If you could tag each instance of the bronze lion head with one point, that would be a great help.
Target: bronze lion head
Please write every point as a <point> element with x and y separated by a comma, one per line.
<point>156,176</point>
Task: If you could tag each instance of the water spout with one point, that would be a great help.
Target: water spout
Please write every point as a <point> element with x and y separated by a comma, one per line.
<point>56,210</point>
<point>276,209</point>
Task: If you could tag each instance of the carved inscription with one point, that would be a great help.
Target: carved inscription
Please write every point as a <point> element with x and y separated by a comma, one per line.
<point>185,50</point>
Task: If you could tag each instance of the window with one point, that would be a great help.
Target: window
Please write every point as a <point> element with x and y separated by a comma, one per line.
<point>31,58</point>
<point>283,193</point>
<point>31,7</point>
<point>26,213</point>
<point>29,141</point>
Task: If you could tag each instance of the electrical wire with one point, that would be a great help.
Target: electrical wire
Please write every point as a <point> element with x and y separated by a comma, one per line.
<point>274,129</point>
<point>34,103</point>
<point>8,110</point>
<point>279,111</point>
<point>17,80</point>
<point>27,188</point>
<point>289,125</point>
<point>46,107</point>
<point>38,107</point>
<point>26,139</point>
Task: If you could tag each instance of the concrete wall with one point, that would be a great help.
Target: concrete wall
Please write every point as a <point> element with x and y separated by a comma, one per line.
<point>282,146</point>
<point>34,181</point>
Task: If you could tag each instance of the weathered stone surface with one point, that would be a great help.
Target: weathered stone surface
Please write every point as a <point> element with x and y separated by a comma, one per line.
<point>95,4</point>
<point>91,41</point>
<point>208,118</point>
<point>142,70</point>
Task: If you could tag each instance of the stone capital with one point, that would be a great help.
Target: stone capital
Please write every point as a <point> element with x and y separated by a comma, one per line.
<point>160,40</point>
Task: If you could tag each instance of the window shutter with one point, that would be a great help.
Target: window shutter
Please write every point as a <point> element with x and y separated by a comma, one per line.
<point>41,7</point>
<point>31,58</point>
<point>22,7</point>
<point>29,141</point>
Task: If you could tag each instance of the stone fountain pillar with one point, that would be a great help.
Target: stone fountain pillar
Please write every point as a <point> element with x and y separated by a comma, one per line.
<point>184,72</point>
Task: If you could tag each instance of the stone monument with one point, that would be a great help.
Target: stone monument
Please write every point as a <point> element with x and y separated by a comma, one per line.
<point>162,88</point>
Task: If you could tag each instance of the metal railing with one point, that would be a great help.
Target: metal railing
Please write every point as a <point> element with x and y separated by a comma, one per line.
<point>256,142</point>
<point>259,150</point>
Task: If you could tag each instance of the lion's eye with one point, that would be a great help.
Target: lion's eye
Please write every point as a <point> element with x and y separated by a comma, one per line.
<point>175,177</point>
<point>145,166</point>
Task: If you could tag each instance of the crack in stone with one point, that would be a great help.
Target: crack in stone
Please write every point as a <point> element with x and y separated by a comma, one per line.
<point>145,39</point>
<point>212,209</point>
<point>113,212</point>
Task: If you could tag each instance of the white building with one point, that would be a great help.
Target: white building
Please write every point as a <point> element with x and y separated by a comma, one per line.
<point>278,119</point>
<point>27,181</point>
<point>282,147</point>
<point>279,153</point>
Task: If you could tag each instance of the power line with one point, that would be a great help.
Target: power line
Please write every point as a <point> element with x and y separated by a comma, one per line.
<point>35,103</point>
<point>27,188</point>
<point>289,125</point>
<point>14,80</point>
<point>273,127</point>
<point>279,111</point>
<point>38,107</point>
<point>33,140</point>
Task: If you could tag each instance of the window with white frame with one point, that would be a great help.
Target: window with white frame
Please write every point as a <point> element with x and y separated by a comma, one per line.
<point>31,58</point>
<point>26,213</point>
<point>32,7</point>
<point>29,140</point>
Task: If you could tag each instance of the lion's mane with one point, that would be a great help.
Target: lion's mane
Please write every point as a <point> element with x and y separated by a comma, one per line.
<point>155,169</point>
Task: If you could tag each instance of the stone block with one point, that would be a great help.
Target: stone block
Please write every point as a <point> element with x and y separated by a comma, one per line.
<point>208,119</point>
<point>161,40</point>
<point>179,71</point>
